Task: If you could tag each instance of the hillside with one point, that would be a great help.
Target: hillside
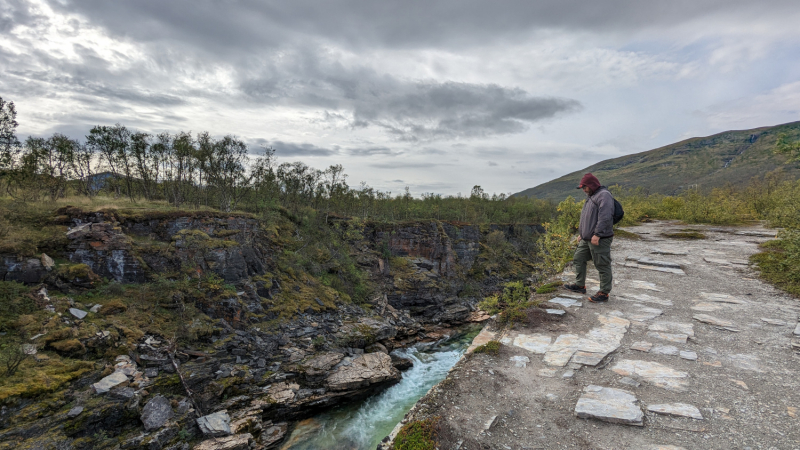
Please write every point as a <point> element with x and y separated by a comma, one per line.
<point>709,162</point>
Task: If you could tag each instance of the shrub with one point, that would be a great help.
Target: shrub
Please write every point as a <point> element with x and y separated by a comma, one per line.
<point>491,348</point>
<point>513,315</point>
<point>510,304</point>
<point>779,261</point>
<point>11,357</point>
<point>548,288</point>
<point>490,304</point>
<point>556,247</point>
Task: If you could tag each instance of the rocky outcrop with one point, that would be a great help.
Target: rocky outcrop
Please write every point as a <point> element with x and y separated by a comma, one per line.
<point>427,269</point>
<point>125,250</point>
<point>22,269</point>
<point>232,247</point>
<point>362,371</point>
<point>107,251</point>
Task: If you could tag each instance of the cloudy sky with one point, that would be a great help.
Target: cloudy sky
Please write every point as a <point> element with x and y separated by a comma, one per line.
<point>436,95</point>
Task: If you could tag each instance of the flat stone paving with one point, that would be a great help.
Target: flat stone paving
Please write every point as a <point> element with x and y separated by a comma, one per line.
<point>696,357</point>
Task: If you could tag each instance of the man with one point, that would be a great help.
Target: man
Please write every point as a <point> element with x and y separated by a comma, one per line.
<point>596,231</point>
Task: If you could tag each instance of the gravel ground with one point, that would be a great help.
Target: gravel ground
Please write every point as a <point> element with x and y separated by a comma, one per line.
<point>718,345</point>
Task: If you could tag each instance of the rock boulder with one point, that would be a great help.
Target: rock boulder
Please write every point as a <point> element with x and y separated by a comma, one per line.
<point>217,424</point>
<point>364,370</point>
<point>156,413</point>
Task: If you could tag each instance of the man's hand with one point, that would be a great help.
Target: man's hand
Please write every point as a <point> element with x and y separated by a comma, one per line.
<point>595,240</point>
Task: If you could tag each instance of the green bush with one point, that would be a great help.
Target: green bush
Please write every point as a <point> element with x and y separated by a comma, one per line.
<point>490,304</point>
<point>511,304</point>
<point>513,316</point>
<point>779,262</point>
<point>548,288</point>
<point>557,245</point>
<point>491,348</point>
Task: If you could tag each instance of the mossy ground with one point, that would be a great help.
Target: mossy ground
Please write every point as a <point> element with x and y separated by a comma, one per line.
<point>685,234</point>
<point>417,435</point>
<point>68,350</point>
<point>36,378</point>
<point>619,233</point>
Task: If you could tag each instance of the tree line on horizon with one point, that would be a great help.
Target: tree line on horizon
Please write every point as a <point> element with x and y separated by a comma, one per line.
<point>201,171</point>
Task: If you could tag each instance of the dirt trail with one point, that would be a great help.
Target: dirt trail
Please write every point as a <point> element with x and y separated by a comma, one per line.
<point>691,352</point>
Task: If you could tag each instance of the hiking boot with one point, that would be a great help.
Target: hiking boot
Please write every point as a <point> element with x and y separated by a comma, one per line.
<point>600,297</point>
<point>575,288</point>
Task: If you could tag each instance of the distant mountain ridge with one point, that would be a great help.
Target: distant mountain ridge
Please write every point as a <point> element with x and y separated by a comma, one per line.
<point>708,162</point>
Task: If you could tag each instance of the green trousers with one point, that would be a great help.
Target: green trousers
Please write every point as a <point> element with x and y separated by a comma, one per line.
<point>600,255</point>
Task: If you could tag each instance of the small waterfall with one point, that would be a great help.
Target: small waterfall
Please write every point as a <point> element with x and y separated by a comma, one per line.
<point>362,426</point>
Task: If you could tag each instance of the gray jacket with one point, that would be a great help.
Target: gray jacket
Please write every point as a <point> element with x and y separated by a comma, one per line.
<point>597,216</point>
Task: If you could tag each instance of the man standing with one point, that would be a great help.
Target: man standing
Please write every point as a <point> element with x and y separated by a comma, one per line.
<point>596,231</point>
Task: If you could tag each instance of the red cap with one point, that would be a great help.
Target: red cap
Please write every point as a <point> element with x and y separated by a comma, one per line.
<point>590,181</point>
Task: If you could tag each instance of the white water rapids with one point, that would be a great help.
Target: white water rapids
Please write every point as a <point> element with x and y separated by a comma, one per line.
<point>362,426</point>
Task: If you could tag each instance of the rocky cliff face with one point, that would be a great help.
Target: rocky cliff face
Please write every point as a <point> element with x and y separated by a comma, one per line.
<point>251,367</point>
<point>428,268</point>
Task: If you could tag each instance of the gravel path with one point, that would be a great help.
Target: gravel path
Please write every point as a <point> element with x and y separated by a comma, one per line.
<point>692,351</point>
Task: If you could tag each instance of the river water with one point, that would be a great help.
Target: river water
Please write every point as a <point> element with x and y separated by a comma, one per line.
<point>361,426</point>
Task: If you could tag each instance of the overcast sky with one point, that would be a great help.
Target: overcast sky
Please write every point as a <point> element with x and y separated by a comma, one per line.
<point>436,95</point>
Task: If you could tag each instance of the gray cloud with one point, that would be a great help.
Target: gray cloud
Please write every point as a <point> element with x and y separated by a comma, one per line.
<point>250,24</point>
<point>433,151</point>
<point>407,110</point>
<point>431,110</point>
<point>292,149</point>
<point>372,151</point>
<point>15,12</point>
<point>408,165</point>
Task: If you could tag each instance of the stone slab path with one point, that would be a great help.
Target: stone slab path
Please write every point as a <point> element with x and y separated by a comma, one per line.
<point>691,352</point>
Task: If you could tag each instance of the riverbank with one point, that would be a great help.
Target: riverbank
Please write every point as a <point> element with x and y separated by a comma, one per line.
<point>362,426</point>
<point>692,351</point>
